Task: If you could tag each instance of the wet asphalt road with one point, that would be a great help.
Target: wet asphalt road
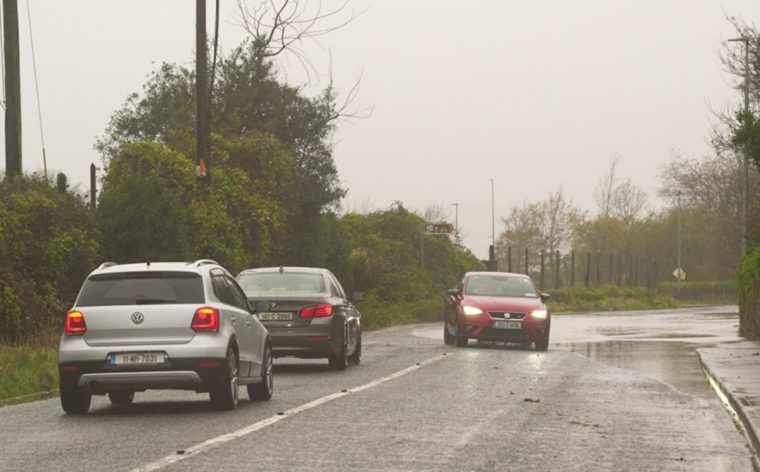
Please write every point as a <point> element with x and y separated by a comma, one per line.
<point>619,391</point>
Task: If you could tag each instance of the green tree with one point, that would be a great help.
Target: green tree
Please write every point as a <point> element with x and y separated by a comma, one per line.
<point>249,98</point>
<point>152,208</point>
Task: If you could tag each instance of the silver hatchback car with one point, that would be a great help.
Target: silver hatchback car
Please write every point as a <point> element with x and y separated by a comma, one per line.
<point>162,325</point>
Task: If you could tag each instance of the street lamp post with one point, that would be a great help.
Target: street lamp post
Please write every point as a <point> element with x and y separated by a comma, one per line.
<point>745,200</point>
<point>493,225</point>
<point>456,222</point>
<point>492,265</point>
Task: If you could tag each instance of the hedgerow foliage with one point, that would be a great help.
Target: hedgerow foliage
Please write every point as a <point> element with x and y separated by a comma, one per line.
<point>47,246</point>
<point>749,294</point>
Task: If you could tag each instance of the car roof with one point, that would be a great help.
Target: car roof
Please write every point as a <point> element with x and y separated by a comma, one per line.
<point>286,269</point>
<point>197,266</point>
<point>511,274</point>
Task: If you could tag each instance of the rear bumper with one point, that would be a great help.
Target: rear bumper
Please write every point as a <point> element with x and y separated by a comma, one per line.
<point>140,380</point>
<point>183,374</point>
<point>320,339</point>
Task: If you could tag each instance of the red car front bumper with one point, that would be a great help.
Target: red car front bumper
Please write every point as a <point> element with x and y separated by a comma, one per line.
<point>482,327</point>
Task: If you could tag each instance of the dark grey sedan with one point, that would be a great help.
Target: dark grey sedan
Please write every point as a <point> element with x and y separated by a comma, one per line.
<point>308,314</point>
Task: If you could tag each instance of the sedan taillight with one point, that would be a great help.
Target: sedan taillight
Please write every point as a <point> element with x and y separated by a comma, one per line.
<point>206,319</point>
<point>317,311</point>
<point>75,323</point>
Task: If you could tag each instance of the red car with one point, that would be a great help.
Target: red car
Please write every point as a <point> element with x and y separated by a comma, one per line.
<point>497,306</point>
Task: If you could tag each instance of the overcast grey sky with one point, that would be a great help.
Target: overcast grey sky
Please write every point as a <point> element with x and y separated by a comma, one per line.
<point>533,94</point>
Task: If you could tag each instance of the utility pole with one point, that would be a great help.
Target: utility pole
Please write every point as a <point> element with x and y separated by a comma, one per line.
<point>201,90</point>
<point>93,188</point>
<point>678,244</point>
<point>13,161</point>
<point>745,161</point>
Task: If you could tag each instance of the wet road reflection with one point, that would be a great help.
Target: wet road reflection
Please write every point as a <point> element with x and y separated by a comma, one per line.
<point>675,364</point>
<point>660,345</point>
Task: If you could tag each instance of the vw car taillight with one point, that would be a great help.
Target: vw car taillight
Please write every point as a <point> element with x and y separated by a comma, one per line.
<point>206,319</point>
<point>317,311</point>
<point>75,323</point>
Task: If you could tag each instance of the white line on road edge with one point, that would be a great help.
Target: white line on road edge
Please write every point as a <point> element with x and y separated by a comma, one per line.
<point>219,440</point>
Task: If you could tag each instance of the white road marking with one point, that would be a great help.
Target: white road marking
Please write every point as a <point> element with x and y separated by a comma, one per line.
<point>224,438</point>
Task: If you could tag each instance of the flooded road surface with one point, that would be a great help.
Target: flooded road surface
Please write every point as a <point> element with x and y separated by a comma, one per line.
<point>660,345</point>
<point>672,363</point>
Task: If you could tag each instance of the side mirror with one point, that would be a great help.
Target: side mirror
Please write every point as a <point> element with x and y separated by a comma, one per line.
<point>454,292</point>
<point>358,297</point>
<point>545,296</point>
<point>259,306</point>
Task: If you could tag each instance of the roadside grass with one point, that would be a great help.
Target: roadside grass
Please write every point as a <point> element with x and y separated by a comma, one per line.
<point>27,373</point>
<point>608,298</point>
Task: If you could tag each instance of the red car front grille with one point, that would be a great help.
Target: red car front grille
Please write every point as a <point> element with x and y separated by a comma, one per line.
<point>506,315</point>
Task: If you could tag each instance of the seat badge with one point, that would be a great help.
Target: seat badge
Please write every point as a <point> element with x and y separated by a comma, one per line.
<point>137,318</point>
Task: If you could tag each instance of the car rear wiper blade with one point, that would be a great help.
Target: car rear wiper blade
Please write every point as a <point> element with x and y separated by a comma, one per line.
<point>152,301</point>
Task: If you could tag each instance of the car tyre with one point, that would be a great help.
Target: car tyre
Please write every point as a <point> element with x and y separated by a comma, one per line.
<point>74,399</point>
<point>340,362</point>
<point>460,341</point>
<point>263,390</point>
<point>225,395</point>
<point>121,398</point>
<point>448,339</point>
<point>356,357</point>
<point>542,345</point>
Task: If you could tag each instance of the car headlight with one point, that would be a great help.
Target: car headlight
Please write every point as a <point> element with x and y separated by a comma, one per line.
<point>539,314</point>
<point>471,310</point>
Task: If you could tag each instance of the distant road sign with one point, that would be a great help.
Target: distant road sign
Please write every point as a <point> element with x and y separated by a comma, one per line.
<point>679,274</point>
<point>439,228</point>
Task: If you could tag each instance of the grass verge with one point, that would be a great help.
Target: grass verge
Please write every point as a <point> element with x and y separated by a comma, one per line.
<point>27,373</point>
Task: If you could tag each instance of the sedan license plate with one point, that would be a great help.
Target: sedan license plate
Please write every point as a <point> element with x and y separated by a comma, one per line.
<point>507,325</point>
<point>276,316</point>
<point>138,358</point>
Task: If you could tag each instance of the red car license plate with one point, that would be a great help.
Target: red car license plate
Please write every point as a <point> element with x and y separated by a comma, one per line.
<point>507,324</point>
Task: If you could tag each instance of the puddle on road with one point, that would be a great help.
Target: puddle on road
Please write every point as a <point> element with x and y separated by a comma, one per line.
<point>672,363</point>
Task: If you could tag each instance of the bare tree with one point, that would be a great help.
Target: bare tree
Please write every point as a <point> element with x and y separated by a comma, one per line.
<point>618,198</point>
<point>547,226</point>
<point>282,27</point>
<point>606,187</point>
<point>559,218</point>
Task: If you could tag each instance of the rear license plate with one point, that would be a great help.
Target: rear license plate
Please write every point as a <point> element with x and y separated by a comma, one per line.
<point>276,316</point>
<point>507,325</point>
<point>138,358</point>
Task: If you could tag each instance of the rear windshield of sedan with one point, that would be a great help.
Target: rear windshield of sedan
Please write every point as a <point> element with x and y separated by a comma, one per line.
<point>500,286</point>
<point>275,283</point>
<point>142,288</point>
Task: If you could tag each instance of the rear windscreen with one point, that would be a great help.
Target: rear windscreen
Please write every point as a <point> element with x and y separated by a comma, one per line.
<point>142,288</point>
<point>275,283</point>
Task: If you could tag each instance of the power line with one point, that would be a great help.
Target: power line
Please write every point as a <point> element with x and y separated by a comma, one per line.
<point>37,89</point>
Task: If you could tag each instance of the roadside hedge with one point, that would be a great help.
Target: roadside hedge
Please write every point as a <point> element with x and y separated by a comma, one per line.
<point>748,275</point>
<point>47,247</point>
